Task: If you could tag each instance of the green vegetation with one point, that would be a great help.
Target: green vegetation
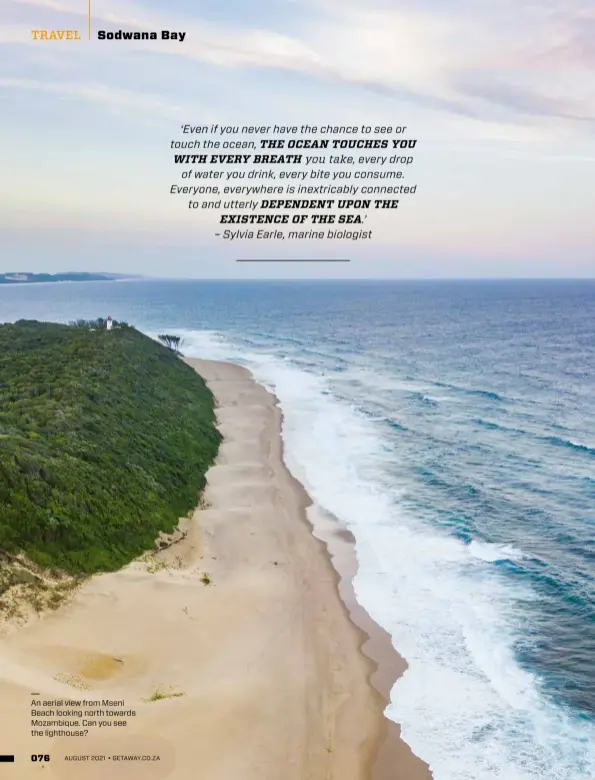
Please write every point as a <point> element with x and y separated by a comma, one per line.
<point>171,342</point>
<point>100,322</point>
<point>158,695</point>
<point>105,439</point>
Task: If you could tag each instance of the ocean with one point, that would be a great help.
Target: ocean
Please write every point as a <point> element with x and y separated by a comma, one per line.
<point>451,427</point>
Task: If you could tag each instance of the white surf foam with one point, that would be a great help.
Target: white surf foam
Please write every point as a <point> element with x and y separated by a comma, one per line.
<point>465,705</point>
<point>492,553</point>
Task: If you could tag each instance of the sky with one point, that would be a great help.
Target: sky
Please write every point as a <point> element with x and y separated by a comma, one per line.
<point>500,95</point>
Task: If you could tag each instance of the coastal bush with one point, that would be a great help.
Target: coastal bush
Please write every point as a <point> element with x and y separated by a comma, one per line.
<point>171,342</point>
<point>100,322</point>
<point>105,440</point>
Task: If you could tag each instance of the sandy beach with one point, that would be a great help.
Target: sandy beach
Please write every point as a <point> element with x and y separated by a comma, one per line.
<point>240,648</point>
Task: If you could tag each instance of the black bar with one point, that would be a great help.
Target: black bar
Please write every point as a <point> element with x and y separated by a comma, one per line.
<point>292,260</point>
<point>6,759</point>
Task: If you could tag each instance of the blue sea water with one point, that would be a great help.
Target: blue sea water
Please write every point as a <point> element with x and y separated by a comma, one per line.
<point>451,427</point>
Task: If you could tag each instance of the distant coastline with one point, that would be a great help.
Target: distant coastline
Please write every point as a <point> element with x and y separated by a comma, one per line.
<point>24,277</point>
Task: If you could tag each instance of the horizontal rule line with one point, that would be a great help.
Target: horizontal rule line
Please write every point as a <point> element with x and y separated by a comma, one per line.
<point>292,260</point>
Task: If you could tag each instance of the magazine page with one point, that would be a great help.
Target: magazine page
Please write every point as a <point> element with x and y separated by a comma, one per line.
<point>297,390</point>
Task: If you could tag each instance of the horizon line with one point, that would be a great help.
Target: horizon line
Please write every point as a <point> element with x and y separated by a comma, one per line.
<point>136,277</point>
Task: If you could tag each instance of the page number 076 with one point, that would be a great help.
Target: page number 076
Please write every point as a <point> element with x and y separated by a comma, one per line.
<point>40,757</point>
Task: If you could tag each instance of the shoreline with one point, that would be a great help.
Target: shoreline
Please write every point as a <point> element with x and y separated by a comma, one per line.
<point>249,619</point>
<point>391,758</point>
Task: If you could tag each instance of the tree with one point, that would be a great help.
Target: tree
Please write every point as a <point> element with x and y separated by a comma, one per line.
<point>171,342</point>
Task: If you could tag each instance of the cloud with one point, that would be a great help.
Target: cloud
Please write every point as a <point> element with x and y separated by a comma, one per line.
<point>570,42</point>
<point>525,100</point>
<point>485,60</point>
<point>114,99</point>
<point>474,59</point>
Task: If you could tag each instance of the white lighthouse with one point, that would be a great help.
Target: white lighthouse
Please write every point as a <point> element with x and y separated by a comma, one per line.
<point>109,323</point>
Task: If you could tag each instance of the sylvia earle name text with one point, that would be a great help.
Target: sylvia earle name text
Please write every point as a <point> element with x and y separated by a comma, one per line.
<point>127,35</point>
